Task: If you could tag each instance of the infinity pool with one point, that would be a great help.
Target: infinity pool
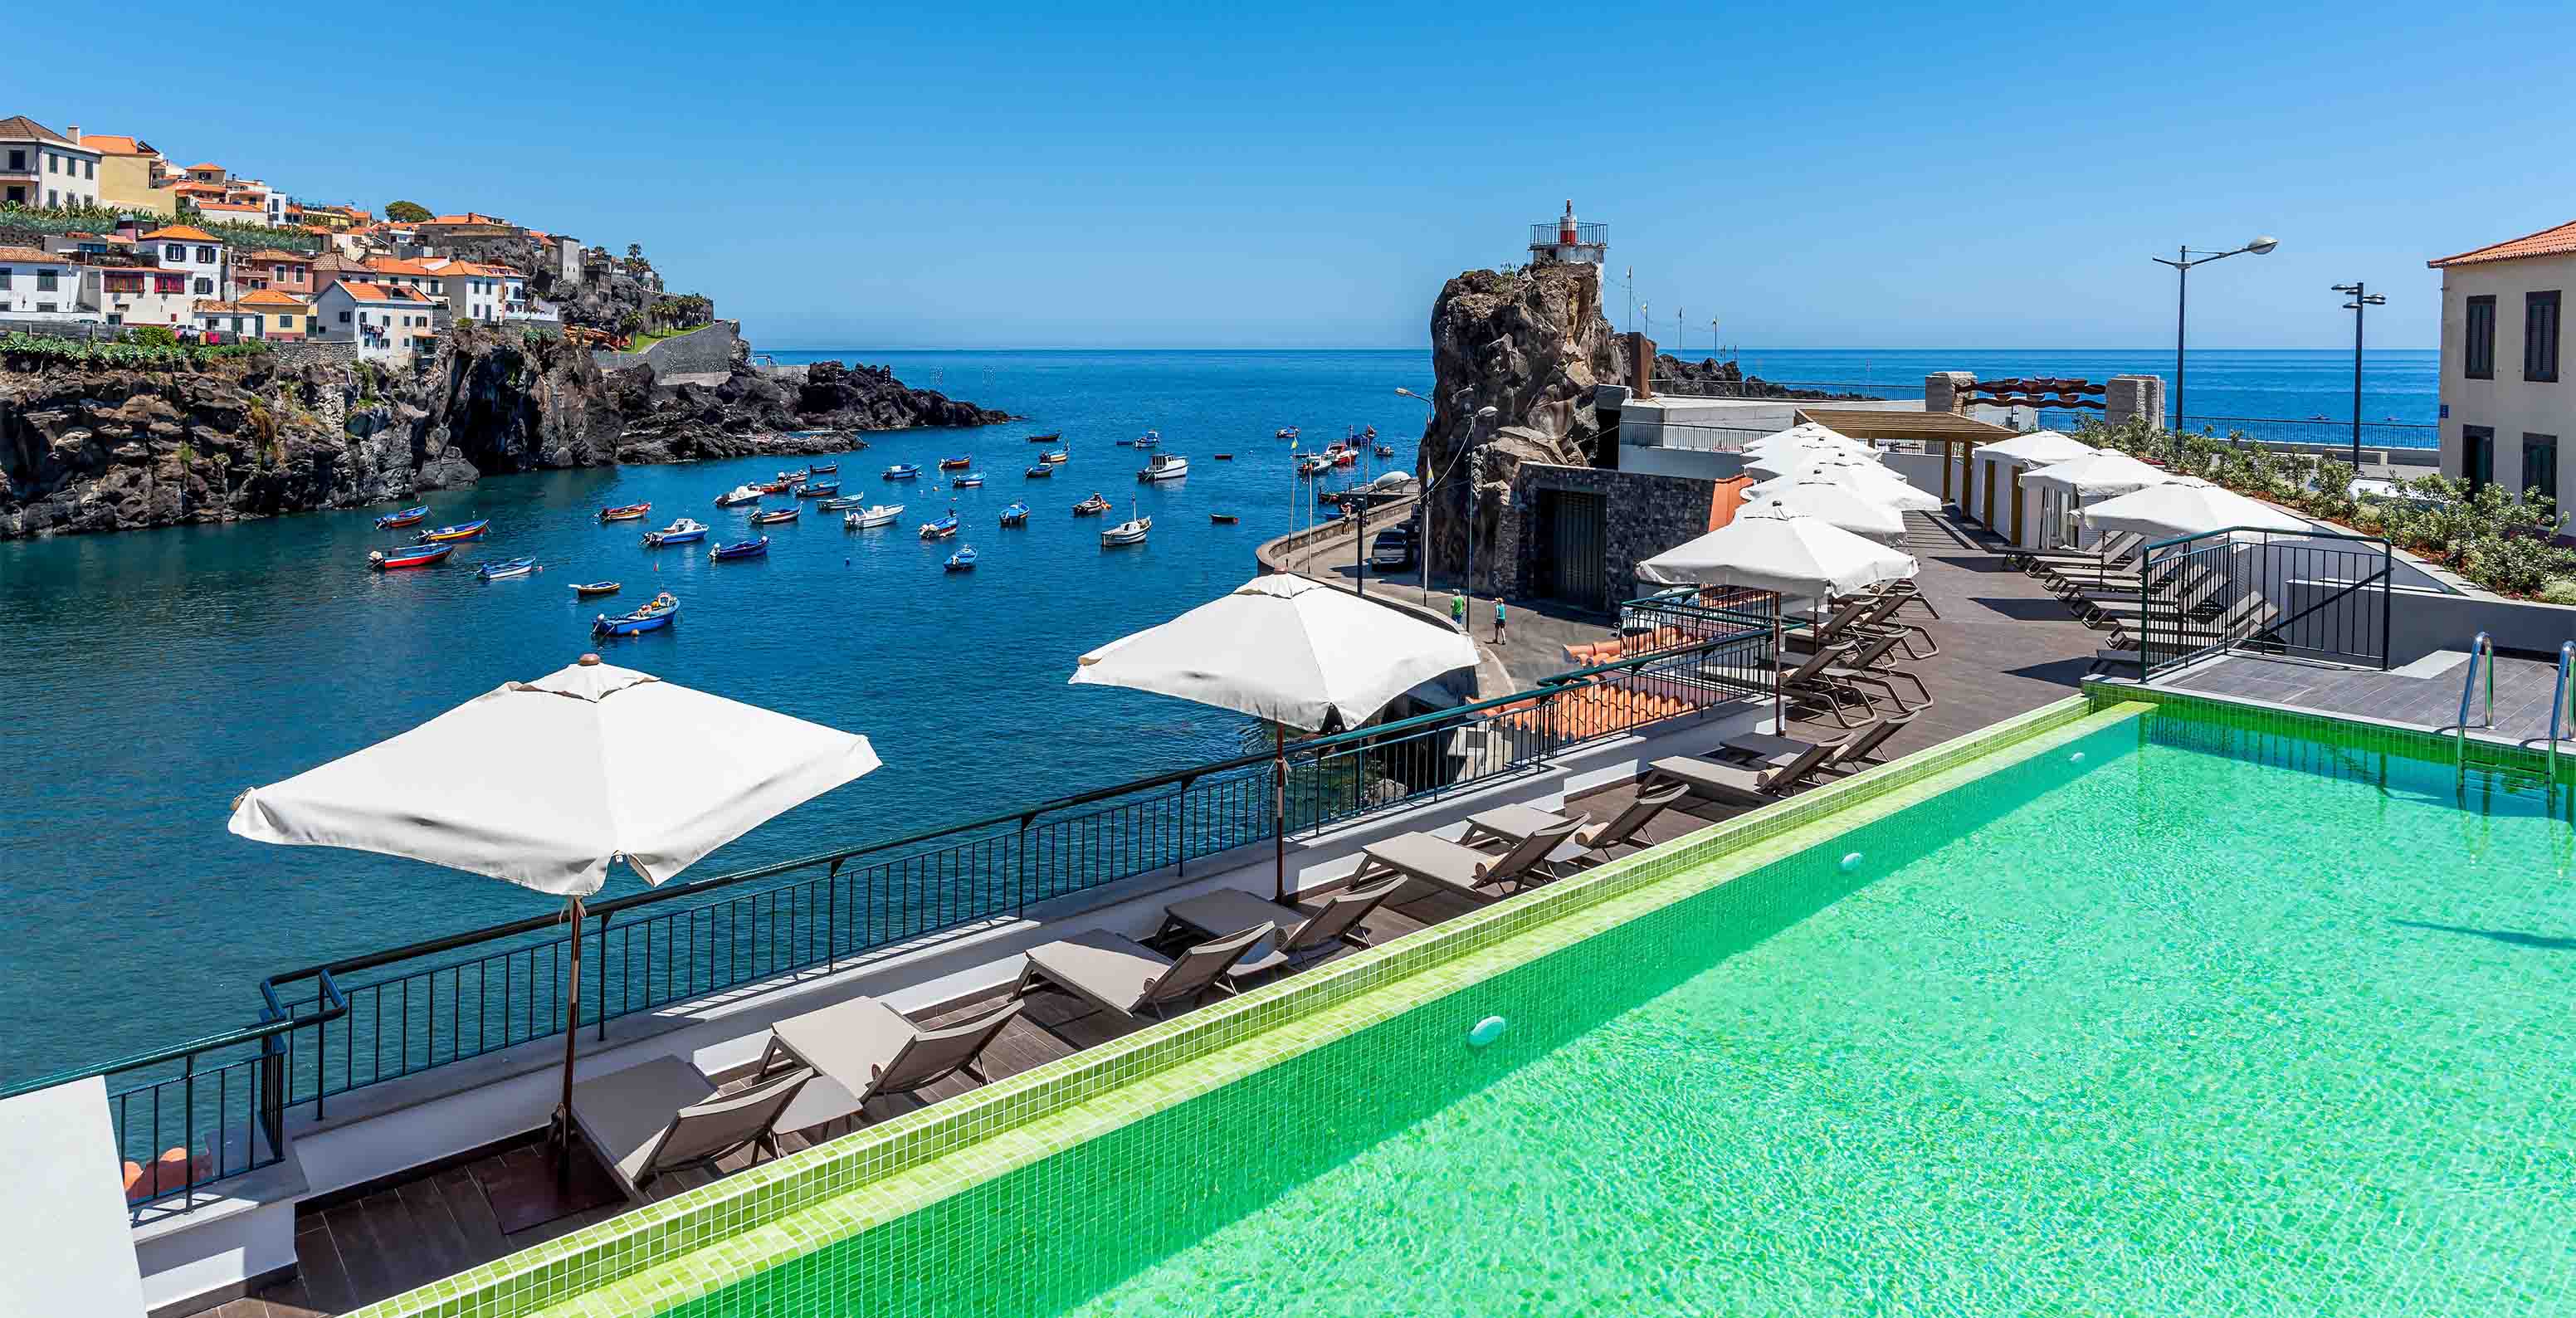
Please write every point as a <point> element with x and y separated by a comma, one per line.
<point>2171,1018</point>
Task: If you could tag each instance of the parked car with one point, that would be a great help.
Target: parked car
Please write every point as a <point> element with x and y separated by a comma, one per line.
<point>1394,547</point>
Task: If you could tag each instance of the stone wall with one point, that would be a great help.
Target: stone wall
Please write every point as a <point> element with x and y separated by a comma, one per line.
<point>317,351</point>
<point>1642,516</point>
<point>698,355</point>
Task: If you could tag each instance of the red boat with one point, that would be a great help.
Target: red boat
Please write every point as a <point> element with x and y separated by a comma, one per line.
<point>774,487</point>
<point>633,512</point>
<point>955,464</point>
<point>408,556</point>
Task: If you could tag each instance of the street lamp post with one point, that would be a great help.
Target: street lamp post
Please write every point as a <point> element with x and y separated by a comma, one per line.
<point>2362,299</point>
<point>2182,263</point>
<point>1476,432</point>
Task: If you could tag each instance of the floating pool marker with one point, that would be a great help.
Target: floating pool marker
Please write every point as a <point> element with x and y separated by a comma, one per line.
<point>1486,1031</point>
<point>2076,758</point>
<point>1851,861</point>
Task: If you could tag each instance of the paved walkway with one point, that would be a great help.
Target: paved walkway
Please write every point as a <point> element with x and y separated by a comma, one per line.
<point>2425,693</point>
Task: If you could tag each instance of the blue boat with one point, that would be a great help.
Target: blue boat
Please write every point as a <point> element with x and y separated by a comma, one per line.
<point>686,531</point>
<point>811,490</point>
<point>903,471</point>
<point>941,529</point>
<point>507,567</point>
<point>407,517</point>
<point>1149,439</point>
<point>1016,515</point>
<point>963,560</point>
<point>460,531</point>
<point>741,549</point>
<point>1040,472</point>
<point>969,481</point>
<point>652,617</point>
<point>819,468</point>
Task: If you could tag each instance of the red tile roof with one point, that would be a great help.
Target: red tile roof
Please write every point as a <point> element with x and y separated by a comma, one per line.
<point>270,297</point>
<point>186,233</point>
<point>2548,242</point>
<point>31,254</point>
<point>395,293</point>
<point>108,145</point>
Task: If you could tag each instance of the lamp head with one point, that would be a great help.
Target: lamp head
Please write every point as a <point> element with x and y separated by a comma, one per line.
<point>2263,245</point>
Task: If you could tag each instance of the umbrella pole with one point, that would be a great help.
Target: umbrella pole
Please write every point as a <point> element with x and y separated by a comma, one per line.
<point>572,1038</point>
<point>1279,806</point>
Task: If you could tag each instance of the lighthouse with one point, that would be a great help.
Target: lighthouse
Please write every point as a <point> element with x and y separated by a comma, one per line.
<point>1565,241</point>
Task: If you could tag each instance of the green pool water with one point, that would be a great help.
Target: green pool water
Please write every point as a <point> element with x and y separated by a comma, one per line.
<point>2172,1019</point>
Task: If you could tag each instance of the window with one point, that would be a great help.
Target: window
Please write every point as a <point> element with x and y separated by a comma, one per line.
<point>2540,336</point>
<point>205,256</point>
<point>2477,455</point>
<point>53,198</point>
<point>173,252</point>
<point>89,169</point>
<point>48,281</point>
<point>44,306</point>
<point>53,163</point>
<point>205,288</point>
<point>2477,356</point>
<point>4,278</point>
<point>2540,467</point>
<point>18,162</point>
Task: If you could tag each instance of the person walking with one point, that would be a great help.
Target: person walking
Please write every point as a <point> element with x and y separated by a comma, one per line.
<point>1458,610</point>
<point>1498,620</point>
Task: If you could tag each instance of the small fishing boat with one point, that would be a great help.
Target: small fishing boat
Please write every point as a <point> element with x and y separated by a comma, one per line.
<point>587,589</point>
<point>1222,457</point>
<point>963,560</point>
<point>1311,465</point>
<point>408,556</point>
<point>1129,532</point>
<point>1385,450</point>
<point>652,617</point>
<point>1047,438</point>
<point>740,549</point>
<point>956,464</point>
<point>941,529</point>
<point>1150,439</point>
<point>1058,458</point>
<point>1223,519</point>
<point>686,531</point>
<point>841,503</point>
<point>1039,472</point>
<point>774,487</point>
<point>460,531</point>
<point>782,515</point>
<point>1091,507</point>
<point>973,480</point>
<point>824,490</point>
<point>881,515</point>
<point>1346,457</point>
<point>407,517</point>
<point>632,512</point>
<point>1164,467</point>
<point>903,471</point>
<point>1016,515</point>
<point>1124,443</point>
<point>1286,432</point>
<point>791,477</point>
<point>738,495</point>
<point>824,468</point>
<point>507,567</point>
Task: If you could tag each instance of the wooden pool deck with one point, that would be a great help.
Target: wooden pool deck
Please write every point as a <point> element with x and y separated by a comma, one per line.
<point>2007,647</point>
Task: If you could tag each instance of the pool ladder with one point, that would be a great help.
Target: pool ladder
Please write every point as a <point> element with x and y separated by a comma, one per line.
<point>2481,653</point>
<point>2558,703</point>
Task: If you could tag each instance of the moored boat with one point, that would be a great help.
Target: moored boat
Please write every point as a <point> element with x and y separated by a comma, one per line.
<point>460,531</point>
<point>1164,467</point>
<point>815,490</point>
<point>972,480</point>
<point>963,560</point>
<point>1091,507</point>
<point>384,560</point>
<point>587,589</point>
<point>774,487</point>
<point>1057,457</point>
<point>1386,450</point>
<point>824,468</point>
<point>841,503</point>
<point>1129,532</point>
<point>1039,472</point>
<point>1286,432</point>
<point>903,471</point>
<point>956,464</point>
<point>738,495</point>
<point>1346,457</point>
<point>1150,439</point>
<point>630,512</point>
<point>682,532</point>
<point>782,515</point>
<point>1016,515</point>
<point>1310,465</point>
<point>654,616</point>
<point>880,515</point>
<point>1223,519</point>
<point>941,529</point>
<point>740,549</point>
<point>1222,457</point>
<point>507,567</point>
<point>1047,438</point>
<point>407,517</point>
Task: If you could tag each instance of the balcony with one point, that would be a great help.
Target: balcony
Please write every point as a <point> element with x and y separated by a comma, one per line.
<point>1588,235</point>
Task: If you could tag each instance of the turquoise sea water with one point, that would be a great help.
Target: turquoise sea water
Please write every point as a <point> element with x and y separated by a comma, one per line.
<point>2210,1024</point>
<point>152,675</point>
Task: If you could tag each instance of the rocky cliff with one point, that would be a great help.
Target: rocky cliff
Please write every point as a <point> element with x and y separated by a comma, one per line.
<point>1533,345</point>
<point>89,448</point>
<point>1725,379</point>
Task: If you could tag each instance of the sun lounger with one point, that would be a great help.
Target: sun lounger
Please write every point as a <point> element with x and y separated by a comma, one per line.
<point>1621,829</point>
<point>1334,922</point>
<point>1871,667</point>
<point>1849,753</point>
<point>663,1116</point>
<point>1129,978</point>
<point>863,1048</point>
<point>1734,783</point>
<point>1815,635</point>
<point>1457,868</point>
<point>1806,686</point>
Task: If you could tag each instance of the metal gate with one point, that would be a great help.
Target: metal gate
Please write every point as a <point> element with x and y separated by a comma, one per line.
<point>1574,548</point>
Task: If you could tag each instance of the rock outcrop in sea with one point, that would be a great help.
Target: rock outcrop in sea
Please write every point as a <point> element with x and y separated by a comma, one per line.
<point>95,448</point>
<point>1726,379</point>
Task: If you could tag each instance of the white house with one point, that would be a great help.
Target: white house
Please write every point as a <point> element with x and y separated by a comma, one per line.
<point>2507,401</point>
<point>227,321</point>
<point>37,286</point>
<point>137,295</point>
<point>188,248</point>
<point>386,321</point>
<point>40,167</point>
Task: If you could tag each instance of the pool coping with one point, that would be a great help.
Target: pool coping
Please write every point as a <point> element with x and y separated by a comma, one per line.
<point>2414,741</point>
<point>667,1253</point>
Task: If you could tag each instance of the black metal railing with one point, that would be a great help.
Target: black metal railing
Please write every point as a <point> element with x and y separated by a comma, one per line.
<point>1785,391</point>
<point>2313,594</point>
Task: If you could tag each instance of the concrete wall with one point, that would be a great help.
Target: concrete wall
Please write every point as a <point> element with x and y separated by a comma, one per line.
<point>697,354</point>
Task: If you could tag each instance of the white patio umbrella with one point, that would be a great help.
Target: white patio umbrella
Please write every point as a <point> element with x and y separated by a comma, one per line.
<point>1870,480</point>
<point>1768,547</point>
<point>2037,448</point>
<point>2101,475</point>
<point>1286,649</point>
<point>2187,505</point>
<point>1838,504</point>
<point>1805,434</point>
<point>543,783</point>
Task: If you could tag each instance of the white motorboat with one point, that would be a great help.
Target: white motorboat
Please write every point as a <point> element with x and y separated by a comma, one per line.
<point>879,515</point>
<point>1129,532</point>
<point>1164,467</point>
<point>738,495</point>
<point>686,531</point>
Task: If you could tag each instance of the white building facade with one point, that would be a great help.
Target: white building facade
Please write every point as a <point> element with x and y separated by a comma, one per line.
<point>2508,408</point>
<point>35,285</point>
<point>197,253</point>
<point>388,322</point>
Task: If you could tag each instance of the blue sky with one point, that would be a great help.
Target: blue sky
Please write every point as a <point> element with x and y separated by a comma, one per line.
<point>1071,175</point>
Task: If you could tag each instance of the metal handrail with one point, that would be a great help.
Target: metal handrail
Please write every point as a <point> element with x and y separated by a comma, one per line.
<point>2558,702</point>
<point>2481,652</point>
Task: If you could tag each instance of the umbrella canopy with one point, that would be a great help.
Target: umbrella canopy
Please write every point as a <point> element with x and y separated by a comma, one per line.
<point>544,783</point>
<point>2101,475</point>
<point>2187,505</point>
<point>1805,434</point>
<point>1870,480</point>
<point>2038,448</point>
<point>1838,504</point>
<point>1284,648</point>
<point>1767,547</point>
